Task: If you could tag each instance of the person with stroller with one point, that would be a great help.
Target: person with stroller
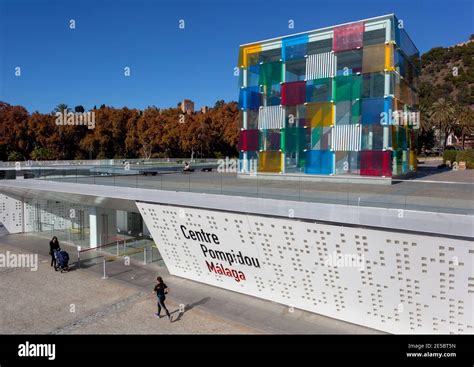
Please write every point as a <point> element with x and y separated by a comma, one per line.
<point>53,247</point>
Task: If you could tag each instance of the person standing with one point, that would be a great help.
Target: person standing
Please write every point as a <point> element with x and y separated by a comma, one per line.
<point>53,246</point>
<point>161,290</point>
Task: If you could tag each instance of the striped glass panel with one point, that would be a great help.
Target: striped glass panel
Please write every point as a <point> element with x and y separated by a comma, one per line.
<point>271,117</point>
<point>320,66</point>
<point>346,137</point>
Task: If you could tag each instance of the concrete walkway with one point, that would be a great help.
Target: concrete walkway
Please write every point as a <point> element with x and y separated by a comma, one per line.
<point>81,302</point>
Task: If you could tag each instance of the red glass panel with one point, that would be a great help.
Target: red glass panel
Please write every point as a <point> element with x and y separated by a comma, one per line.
<point>293,93</point>
<point>248,140</point>
<point>376,163</point>
<point>348,37</point>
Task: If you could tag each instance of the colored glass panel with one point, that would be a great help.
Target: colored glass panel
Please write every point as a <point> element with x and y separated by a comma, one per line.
<point>347,112</point>
<point>397,162</point>
<point>253,76</point>
<point>270,73</point>
<point>413,162</point>
<point>250,98</point>
<point>295,70</point>
<point>295,116</point>
<point>294,161</point>
<point>373,85</point>
<point>293,93</point>
<point>319,46</point>
<point>319,162</point>
<point>372,137</point>
<point>319,90</point>
<point>293,139</point>
<point>252,119</point>
<point>319,114</point>
<point>347,162</point>
<point>294,47</point>
<point>349,62</point>
<point>249,55</point>
<point>270,139</point>
<point>248,140</point>
<point>248,162</point>
<point>269,162</point>
<point>348,87</point>
<point>376,163</point>
<point>271,95</point>
<point>373,59</point>
<point>320,138</point>
<point>373,110</point>
<point>399,137</point>
<point>348,37</point>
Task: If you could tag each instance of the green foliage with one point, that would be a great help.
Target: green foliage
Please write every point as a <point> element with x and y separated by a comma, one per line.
<point>449,155</point>
<point>466,156</point>
<point>15,156</point>
<point>41,154</point>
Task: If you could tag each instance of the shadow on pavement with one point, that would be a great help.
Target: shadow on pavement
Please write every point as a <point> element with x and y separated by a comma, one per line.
<point>189,307</point>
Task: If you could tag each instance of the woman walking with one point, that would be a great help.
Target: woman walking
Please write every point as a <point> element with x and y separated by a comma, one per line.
<point>53,246</point>
<point>161,289</point>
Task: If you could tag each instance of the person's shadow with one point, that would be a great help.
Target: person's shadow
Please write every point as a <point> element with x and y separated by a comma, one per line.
<point>189,307</point>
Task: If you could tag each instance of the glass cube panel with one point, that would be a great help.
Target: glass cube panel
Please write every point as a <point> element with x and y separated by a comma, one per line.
<point>270,139</point>
<point>248,162</point>
<point>347,112</point>
<point>374,37</point>
<point>347,162</point>
<point>293,139</point>
<point>250,98</point>
<point>294,47</point>
<point>349,62</point>
<point>320,138</point>
<point>271,95</point>
<point>248,140</point>
<point>373,110</point>
<point>295,70</point>
<point>273,55</point>
<point>319,114</point>
<point>319,162</point>
<point>253,76</point>
<point>348,37</point>
<point>376,163</point>
<point>319,90</point>
<point>252,119</point>
<point>413,163</point>
<point>249,55</point>
<point>319,47</point>
<point>372,137</point>
<point>373,85</point>
<point>293,93</point>
<point>270,73</point>
<point>294,161</point>
<point>269,162</point>
<point>295,116</point>
<point>348,87</point>
<point>373,59</point>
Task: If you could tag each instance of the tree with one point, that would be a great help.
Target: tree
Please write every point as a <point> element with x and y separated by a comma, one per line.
<point>442,113</point>
<point>15,156</point>
<point>79,109</point>
<point>464,123</point>
<point>61,108</point>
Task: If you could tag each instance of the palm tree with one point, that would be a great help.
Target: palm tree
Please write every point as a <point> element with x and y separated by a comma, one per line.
<point>464,122</point>
<point>443,113</point>
<point>61,107</point>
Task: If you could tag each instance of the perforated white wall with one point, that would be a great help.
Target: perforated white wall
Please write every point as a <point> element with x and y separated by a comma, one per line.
<point>397,282</point>
<point>11,213</point>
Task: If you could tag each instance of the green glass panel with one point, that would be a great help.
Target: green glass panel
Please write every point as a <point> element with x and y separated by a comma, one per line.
<point>270,74</point>
<point>348,87</point>
<point>293,139</point>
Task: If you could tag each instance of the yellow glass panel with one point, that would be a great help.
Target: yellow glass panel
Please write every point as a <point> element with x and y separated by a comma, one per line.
<point>412,161</point>
<point>320,114</point>
<point>389,60</point>
<point>269,162</point>
<point>373,58</point>
<point>248,55</point>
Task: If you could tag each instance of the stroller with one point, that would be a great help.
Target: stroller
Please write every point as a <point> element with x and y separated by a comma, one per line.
<point>62,260</point>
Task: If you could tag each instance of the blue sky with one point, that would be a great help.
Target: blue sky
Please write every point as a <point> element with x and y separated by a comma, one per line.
<point>85,66</point>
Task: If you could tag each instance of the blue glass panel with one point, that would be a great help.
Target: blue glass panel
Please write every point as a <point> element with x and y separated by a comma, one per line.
<point>319,162</point>
<point>250,98</point>
<point>372,110</point>
<point>294,47</point>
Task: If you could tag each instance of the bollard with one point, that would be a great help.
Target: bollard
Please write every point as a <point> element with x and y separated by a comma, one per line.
<point>78,256</point>
<point>144,256</point>
<point>117,248</point>
<point>105,276</point>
